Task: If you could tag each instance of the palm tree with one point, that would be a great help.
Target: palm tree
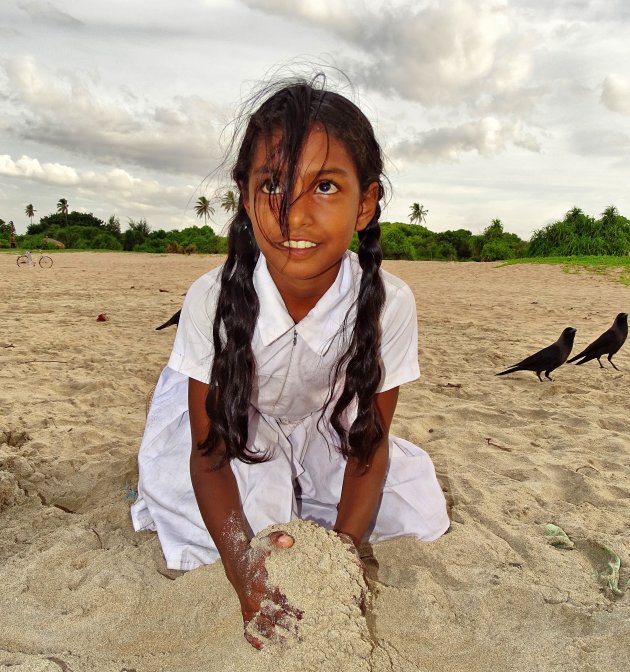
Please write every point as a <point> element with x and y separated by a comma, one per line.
<point>204,209</point>
<point>141,226</point>
<point>610,214</point>
<point>62,208</point>
<point>30,211</point>
<point>229,201</point>
<point>574,213</point>
<point>418,214</point>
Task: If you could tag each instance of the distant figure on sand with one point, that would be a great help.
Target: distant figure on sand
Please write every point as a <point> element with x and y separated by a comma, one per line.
<point>548,358</point>
<point>12,242</point>
<point>609,343</point>
<point>283,380</point>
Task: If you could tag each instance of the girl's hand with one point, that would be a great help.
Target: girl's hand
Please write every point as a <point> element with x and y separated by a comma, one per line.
<point>348,542</point>
<point>263,606</point>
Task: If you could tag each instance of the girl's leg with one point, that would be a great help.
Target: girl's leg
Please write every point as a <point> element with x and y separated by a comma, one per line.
<point>412,502</point>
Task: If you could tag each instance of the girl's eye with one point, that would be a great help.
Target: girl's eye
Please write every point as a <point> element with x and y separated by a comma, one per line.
<point>326,187</point>
<point>271,187</point>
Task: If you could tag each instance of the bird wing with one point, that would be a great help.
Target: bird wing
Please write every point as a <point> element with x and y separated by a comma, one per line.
<point>599,346</point>
<point>543,358</point>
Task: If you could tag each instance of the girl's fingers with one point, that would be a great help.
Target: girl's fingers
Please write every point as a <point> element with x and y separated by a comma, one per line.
<point>266,622</point>
<point>286,621</point>
<point>281,600</point>
<point>279,617</point>
<point>281,539</point>
<point>263,624</point>
<point>356,558</point>
<point>254,641</point>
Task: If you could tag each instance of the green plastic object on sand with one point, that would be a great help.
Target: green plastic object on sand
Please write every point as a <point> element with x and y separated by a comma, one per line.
<point>604,558</point>
<point>610,571</point>
<point>558,537</point>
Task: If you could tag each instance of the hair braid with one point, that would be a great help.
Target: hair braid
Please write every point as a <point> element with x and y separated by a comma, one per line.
<point>362,360</point>
<point>234,365</point>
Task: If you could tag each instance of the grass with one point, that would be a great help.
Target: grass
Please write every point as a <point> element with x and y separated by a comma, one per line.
<point>602,265</point>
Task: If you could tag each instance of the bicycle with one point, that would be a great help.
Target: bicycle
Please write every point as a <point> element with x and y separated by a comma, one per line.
<point>27,260</point>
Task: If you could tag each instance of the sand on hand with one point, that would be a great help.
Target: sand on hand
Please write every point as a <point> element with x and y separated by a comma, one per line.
<point>320,576</point>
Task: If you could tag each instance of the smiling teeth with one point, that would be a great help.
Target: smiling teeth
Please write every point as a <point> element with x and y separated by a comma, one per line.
<point>298,244</point>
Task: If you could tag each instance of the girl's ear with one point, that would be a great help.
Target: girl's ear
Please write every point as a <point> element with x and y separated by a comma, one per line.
<point>367,206</point>
<point>244,191</point>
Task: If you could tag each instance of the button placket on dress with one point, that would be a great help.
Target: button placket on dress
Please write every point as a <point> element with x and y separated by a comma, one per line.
<point>273,410</point>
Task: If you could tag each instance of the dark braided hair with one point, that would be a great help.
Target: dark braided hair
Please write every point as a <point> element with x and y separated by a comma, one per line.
<point>292,109</point>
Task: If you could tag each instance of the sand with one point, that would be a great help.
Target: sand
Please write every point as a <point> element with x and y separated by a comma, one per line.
<point>81,591</point>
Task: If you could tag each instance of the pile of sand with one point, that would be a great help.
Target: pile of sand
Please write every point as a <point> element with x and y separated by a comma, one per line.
<point>321,577</point>
<point>318,576</point>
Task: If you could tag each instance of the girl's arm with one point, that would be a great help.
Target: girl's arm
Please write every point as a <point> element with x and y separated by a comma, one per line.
<point>219,502</point>
<point>216,490</point>
<point>361,488</point>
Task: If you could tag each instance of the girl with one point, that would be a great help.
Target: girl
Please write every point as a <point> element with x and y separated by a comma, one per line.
<point>284,375</point>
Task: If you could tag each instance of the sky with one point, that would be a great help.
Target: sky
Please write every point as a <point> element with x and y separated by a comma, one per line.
<point>517,110</point>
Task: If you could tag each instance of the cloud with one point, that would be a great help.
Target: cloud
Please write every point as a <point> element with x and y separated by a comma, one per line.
<point>487,136</point>
<point>616,94</point>
<point>601,141</point>
<point>116,185</point>
<point>75,114</point>
<point>40,10</point>
<point>48,173</point>
<point>435,54</point>
<point>578,10</point>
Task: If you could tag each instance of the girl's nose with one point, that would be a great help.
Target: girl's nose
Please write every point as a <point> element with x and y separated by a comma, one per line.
<point>298,212</point>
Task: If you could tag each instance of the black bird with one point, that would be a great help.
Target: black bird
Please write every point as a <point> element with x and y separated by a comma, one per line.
<point>173,320</point>
<point>607,344</point>
<point>548,358</point>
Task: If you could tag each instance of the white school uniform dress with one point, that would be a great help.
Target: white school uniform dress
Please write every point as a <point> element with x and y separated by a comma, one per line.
<point>293,366</point>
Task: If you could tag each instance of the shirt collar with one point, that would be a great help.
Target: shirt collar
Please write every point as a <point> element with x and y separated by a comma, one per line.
<point>321,324</point>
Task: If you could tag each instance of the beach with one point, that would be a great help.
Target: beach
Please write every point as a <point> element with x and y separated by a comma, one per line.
<point>81,591</point>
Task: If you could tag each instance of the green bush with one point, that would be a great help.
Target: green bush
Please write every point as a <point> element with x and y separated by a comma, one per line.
<point>31,242</point>
<point>496,250</point>
<point>579,234</point>
<point>106,241</point>
<point>396,245</point>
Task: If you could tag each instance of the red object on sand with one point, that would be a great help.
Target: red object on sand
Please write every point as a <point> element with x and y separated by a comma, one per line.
<point>102,317</point>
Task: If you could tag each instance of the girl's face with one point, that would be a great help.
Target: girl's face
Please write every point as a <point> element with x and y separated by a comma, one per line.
<point>327,206</point>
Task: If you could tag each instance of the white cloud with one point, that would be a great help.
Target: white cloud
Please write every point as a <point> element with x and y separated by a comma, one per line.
<point>32,169</point>
<point>434,54</point>
<point>616,94</point>
<point>41,10</point>
<point>115,186</point>
<point>487,136</point>
<point>76,113</point>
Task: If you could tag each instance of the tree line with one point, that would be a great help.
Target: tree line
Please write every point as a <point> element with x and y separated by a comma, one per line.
<point>576,234</point>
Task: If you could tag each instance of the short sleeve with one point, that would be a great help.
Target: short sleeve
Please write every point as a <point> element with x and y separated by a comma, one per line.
<point>399,335</point>
<point>193,348</point>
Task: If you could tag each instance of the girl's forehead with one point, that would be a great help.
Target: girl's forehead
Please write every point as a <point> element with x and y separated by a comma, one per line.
<point>318,148</point>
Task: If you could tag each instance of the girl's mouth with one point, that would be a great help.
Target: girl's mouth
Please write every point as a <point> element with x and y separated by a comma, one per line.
<point>298,244</point>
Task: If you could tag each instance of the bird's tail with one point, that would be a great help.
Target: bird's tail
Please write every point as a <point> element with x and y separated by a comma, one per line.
<point>510,370</point>
<point>172,320</point>
<point>583,357</point>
